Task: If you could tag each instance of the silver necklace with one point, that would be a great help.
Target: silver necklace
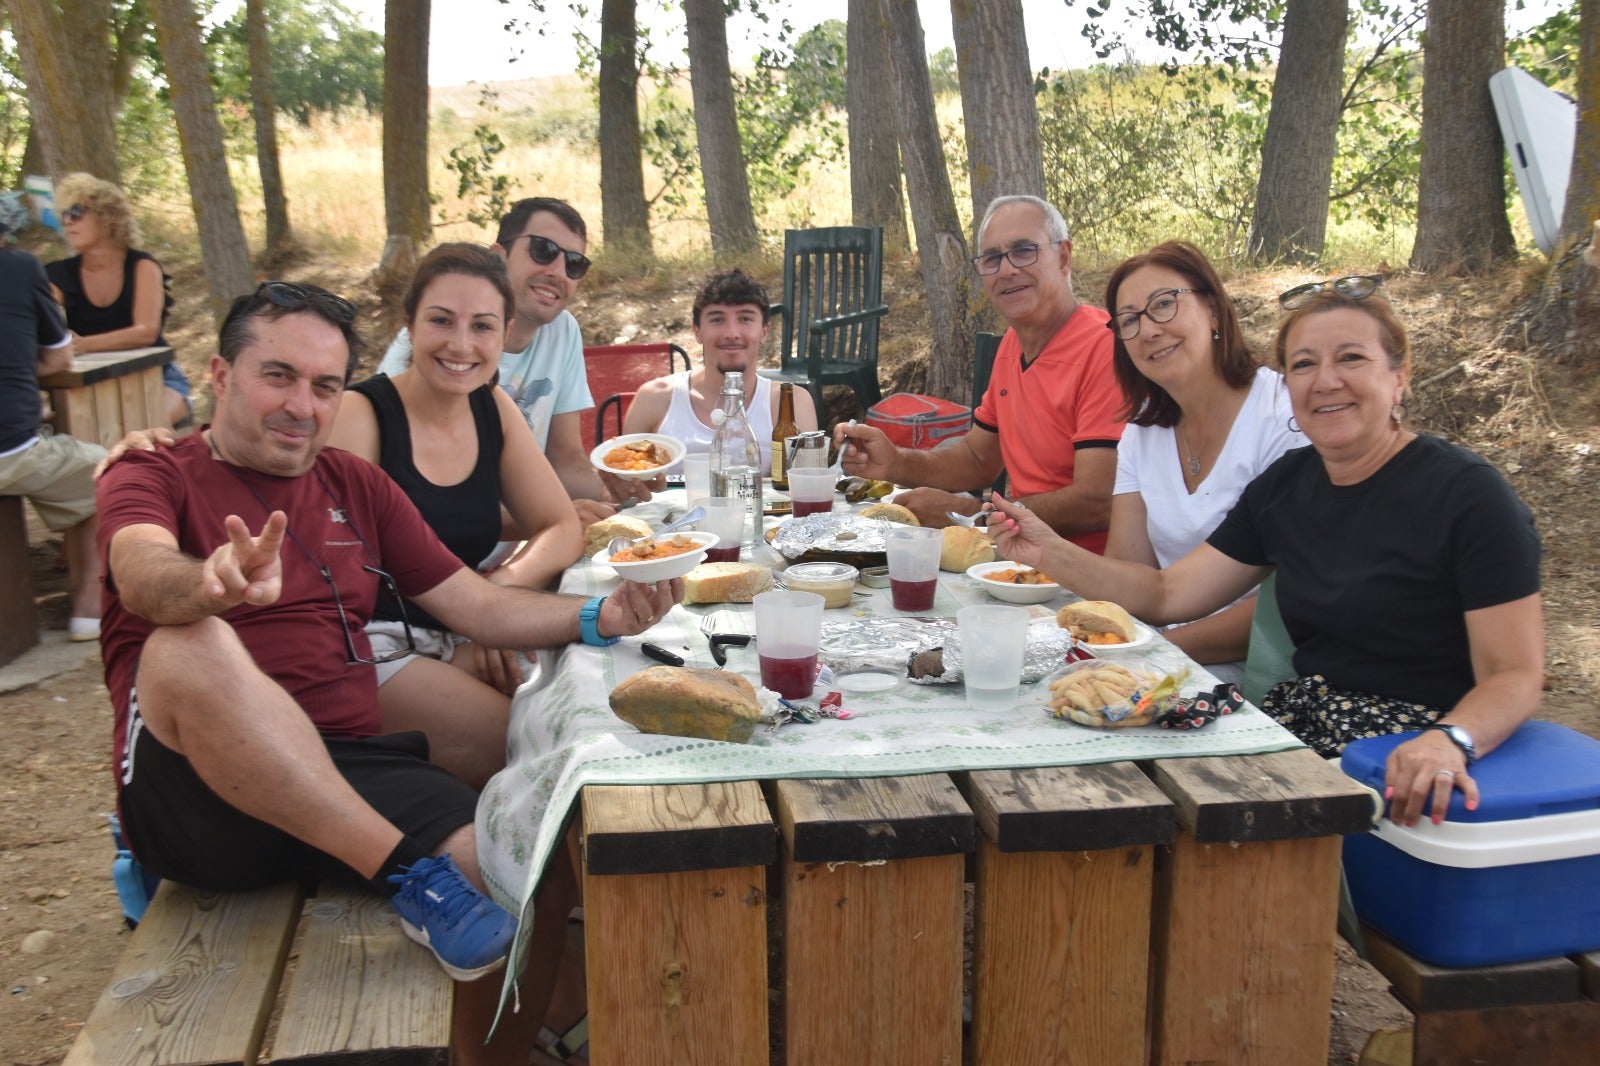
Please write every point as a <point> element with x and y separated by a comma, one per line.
<point>1194,460</point>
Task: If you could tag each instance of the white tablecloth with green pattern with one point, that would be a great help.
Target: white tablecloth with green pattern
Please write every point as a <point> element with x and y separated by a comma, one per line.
<point>563,735</point>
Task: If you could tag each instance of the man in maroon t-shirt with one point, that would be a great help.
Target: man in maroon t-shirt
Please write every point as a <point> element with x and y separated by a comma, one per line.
<point>241,566</point>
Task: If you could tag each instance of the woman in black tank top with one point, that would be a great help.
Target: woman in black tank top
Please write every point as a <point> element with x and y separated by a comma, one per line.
<point>455,442</point>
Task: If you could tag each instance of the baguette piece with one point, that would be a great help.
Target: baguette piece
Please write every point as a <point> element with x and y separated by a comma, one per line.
<point>964,547</point>
<point>1096,616</point>
<point>601,533</point>
<point>725,583</point>
<point>686,702</point>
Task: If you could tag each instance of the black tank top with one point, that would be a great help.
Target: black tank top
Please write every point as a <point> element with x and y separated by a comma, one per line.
<point>466,515</point>
<point>85,318</point>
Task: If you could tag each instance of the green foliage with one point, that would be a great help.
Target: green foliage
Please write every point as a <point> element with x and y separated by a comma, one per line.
<point>13,119</point>
<point>323,59</point>
<point>788,122</point>
<point>942,72</point>
<point>485,195</point>
<point>816,72</point>
<point>1549,51</point>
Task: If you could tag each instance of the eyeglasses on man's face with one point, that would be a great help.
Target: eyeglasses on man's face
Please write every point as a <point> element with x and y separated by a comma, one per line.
<point>543,250</point>
<point>1019,256</point>
<point>74,213</point>
<point>1161,307</point>
<point>352,658</point>
<point>1356,287</point>
<point>292,297</point>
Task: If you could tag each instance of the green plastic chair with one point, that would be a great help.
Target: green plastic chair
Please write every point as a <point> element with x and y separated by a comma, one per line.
<point>832,301</point>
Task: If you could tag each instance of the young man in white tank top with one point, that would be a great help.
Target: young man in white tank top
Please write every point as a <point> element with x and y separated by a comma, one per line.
<point>730,324</point>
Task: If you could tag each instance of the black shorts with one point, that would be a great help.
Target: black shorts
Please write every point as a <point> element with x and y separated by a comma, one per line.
<point>180,829</point>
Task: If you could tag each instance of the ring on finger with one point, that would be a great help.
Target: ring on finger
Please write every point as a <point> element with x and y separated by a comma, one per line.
<point>1451,774</point>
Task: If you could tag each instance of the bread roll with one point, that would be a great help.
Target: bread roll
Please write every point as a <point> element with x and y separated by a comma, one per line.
<point>685,702</point>
<point>891,512</point>
<point>725,583</point>
<point>602,532</point>
<point>1096,616</point>
<point>964,547</point>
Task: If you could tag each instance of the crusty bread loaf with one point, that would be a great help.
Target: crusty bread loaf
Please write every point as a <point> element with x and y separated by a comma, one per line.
<point>891,512</point>
<point>602,532</point>
<point>725,582</point>
<point>685,702</point>
<point>964,547</point>
<point>1096,616</point>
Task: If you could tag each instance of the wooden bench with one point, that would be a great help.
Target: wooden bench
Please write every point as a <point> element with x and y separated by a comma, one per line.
<point>19,620</point>
<point>1541,1013</point>
<point>205,973</point>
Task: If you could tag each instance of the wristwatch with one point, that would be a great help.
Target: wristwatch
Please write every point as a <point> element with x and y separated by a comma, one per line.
<point>1460,737</point>
<point>589,625</point>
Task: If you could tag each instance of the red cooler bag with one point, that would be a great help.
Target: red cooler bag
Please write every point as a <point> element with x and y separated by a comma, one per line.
<point>915,421</point>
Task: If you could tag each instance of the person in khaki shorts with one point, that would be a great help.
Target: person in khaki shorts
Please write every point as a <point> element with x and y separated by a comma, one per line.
<point>55,473</point>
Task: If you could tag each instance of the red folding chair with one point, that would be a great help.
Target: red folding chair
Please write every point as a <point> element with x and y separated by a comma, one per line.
<point>616,371</point>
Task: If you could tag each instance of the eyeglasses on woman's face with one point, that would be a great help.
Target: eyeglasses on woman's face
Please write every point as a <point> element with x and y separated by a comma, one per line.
<point>1019,256</point>
<point>74,213</point>
<point>1356,287</point>
<point>543,250</point>
<point>1161,307</point>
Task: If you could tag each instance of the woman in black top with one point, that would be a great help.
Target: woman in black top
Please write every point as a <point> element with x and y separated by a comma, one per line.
<point>459,447</point>
<point>1408,569</point>
<point>115,296</point>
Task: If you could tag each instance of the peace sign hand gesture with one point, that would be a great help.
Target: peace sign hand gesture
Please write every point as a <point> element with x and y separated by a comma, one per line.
<point>247,569</point>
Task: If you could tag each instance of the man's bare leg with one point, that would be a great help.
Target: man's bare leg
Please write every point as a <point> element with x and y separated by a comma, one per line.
<point>477,1002</point>
<point>202,695</point>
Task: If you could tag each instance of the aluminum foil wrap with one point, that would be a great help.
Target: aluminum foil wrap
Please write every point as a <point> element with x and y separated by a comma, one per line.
<point>895,642</point>
<point>839,534</point>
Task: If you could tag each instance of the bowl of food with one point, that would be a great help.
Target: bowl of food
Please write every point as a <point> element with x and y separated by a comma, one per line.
<point>639,456</point>
<point>1013,582</point>
<point>658,558</point>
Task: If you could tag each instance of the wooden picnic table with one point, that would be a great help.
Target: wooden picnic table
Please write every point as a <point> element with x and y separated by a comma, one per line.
<point>106,394</point>
<point>1173,910</point>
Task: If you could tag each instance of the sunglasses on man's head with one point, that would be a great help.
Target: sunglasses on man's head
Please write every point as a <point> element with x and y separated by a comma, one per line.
<point>1356,287</point>
<point>543,250</point>
<point>75,212</point>
<point>292,297</point>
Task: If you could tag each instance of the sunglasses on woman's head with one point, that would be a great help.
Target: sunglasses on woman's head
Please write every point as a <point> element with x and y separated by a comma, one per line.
<point>1356,287</point>
<point>543,250</point>
<point>75,212</point>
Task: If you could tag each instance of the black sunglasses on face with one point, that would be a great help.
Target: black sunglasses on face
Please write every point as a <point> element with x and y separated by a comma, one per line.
<point>353,659</point>
<point>292,297</point>
<point>543,250</point>
<point>75,212</point>
<point>1356,287</point>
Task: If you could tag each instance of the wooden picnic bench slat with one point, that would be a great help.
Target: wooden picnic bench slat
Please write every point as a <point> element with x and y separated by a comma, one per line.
<point>1280,795</point>
<point>1424,987</point>
<point>676,939</point>
<point>19,619</point>
<point>197,982</point>
<point>1589,963</point>
<point>362,991</point>
<point>1061,936</point>
<point>873,874</point>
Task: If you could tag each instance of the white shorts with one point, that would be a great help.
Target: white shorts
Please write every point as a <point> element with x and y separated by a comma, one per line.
<point>387,637</point>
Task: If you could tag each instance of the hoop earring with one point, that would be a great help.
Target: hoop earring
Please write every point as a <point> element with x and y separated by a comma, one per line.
<point>1294,427</point>
<point>1398,411</point>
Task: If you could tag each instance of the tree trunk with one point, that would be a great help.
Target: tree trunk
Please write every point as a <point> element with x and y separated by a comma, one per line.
<point>624,214</point>
<point>405,120</point>
<point>69,83</point>
<point>733,224</point>
<point>997,105</point>
<point>1583,185</point>
<point>1461,190</point>
<point>223,251</point>
<point>875,196</point>
<point>940,244</point>
<point>265,114</point>
<point>1291,215</point>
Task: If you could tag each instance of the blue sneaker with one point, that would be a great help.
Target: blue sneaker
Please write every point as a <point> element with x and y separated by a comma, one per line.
<point>466,931</point>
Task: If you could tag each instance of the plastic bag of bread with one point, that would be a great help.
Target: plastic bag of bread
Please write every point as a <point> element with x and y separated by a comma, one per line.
<point>606,530</point>
<point>725,582</point>
<point>1110,695</point>
<point>686,702</point>
<point>964,547</point>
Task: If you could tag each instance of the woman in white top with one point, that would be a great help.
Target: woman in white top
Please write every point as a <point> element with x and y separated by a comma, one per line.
<point>1204,420</point>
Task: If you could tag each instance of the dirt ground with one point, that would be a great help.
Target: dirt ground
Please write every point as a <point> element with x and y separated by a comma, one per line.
<point>1538,419</point>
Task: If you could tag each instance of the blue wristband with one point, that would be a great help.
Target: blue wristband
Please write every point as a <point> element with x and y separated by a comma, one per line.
<point>589,624</point>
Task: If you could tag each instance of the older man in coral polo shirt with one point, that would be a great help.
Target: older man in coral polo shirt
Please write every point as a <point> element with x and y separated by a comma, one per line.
<point>1053,413</point>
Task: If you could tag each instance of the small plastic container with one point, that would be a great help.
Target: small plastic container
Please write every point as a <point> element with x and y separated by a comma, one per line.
<point>834,582</point>
<point>875,577</point>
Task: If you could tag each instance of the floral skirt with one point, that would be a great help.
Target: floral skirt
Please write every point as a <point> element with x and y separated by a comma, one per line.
<point>1327,718</point>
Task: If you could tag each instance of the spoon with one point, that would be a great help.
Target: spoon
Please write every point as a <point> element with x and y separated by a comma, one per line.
<point>971,521</point>
<point>838,462</point>
<point>624,543</point>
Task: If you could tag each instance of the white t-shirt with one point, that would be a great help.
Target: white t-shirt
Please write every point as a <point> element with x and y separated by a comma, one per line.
<point>1175,519</point>
<point>681,422</point>
<point>547,378</point>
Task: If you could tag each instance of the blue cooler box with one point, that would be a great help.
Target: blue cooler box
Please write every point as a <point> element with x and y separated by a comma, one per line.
<point>1517,879</point>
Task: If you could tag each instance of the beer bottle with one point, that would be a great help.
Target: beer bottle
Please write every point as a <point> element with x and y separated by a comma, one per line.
<point>782,430</point>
